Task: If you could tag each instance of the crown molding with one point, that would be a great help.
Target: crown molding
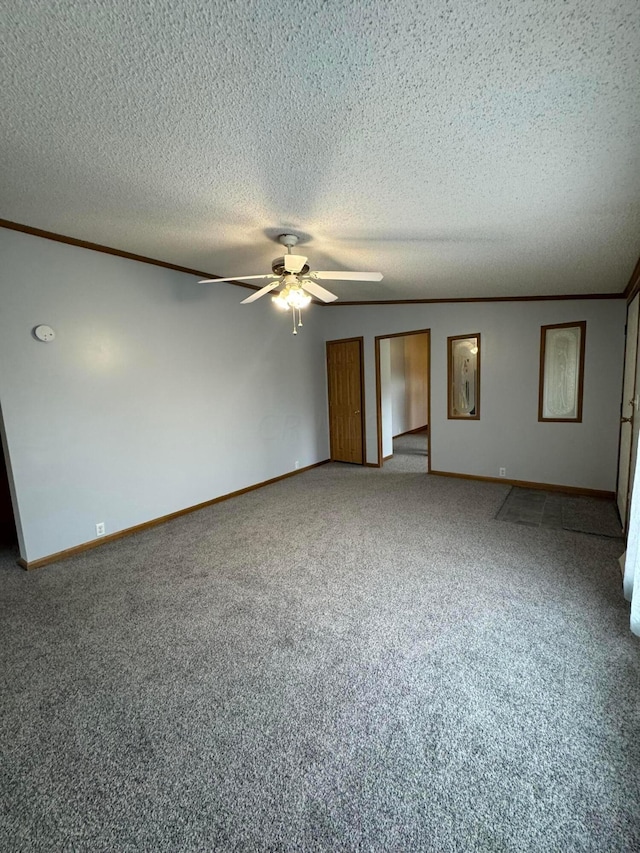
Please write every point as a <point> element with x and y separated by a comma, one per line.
<point>109,250</point>
<point>555,297</point>
<point>630,291</point>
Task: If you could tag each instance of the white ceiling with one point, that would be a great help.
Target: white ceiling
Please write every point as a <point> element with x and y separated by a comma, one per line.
<point>461,148</point>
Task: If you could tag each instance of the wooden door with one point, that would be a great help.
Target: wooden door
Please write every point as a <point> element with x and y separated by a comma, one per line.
<point>629,422</point>
<point>346,403</point>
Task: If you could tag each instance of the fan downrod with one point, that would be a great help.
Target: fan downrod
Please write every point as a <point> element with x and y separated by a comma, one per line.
<point>288,240</point>
<point>277,265</point>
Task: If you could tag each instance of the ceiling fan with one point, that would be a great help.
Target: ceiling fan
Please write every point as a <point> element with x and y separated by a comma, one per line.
<point>299,282</point>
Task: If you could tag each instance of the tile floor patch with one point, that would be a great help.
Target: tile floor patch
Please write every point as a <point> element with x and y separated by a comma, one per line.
<point>581,514</point>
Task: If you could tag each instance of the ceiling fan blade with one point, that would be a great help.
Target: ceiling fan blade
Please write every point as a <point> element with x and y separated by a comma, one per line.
<point>315,290</point>
<point>234,278</point>
<point>294,263</point>
<point>330,275</point>
<point>262,292</point>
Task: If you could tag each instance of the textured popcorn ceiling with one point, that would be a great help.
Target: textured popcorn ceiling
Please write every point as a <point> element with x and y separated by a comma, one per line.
<point>461,148</point>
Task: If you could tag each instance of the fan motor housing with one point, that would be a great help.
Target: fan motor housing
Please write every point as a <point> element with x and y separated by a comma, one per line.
<point>277,265</point>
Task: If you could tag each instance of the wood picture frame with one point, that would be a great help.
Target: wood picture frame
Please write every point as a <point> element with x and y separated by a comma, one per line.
<point>562,348</point>
<point>463,377</point>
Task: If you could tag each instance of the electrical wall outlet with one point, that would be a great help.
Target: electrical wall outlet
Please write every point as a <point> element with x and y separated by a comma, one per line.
<point>100,528</point>
<point>502,472</point>
<point>297,464</point>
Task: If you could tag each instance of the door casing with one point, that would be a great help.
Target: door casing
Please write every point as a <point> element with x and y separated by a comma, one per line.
<point>629,421</point>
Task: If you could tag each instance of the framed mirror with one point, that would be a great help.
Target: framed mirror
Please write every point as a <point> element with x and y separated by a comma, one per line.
<point>463,386</point>
<point>561,371</point>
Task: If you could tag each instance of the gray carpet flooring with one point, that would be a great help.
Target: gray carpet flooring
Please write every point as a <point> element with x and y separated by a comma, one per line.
<point>351,659</point>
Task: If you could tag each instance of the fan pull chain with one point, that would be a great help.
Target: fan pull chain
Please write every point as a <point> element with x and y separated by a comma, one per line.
<point>299,316</point>
<point>293,314</point>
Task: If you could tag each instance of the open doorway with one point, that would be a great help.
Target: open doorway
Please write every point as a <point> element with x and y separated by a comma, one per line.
<point>403,395</point>
<point>8,534</point>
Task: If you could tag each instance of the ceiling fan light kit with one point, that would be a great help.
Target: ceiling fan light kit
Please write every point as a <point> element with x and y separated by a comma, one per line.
<point>292,297</point>
<point>298,281</point>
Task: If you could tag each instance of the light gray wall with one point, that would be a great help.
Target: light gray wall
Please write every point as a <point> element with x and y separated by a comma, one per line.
<point>386,396</point>
<point>508,434</point>
<point>398,387</point>
<point>157,393</point>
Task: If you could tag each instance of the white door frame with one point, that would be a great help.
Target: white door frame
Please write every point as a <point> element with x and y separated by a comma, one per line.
<point>629,420</point>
